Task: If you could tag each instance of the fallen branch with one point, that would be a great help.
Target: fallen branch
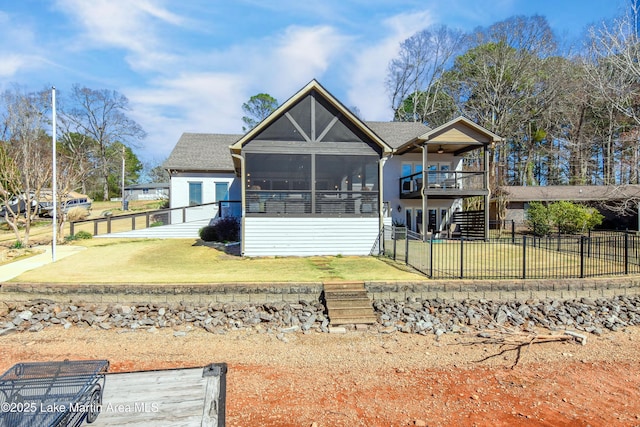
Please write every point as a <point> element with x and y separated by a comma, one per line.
<point>510,340</point>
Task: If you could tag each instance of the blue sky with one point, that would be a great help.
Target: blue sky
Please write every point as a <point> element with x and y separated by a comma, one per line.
<point>188,65</point>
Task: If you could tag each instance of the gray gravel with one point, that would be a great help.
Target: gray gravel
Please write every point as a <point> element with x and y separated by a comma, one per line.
<point>412,316</point>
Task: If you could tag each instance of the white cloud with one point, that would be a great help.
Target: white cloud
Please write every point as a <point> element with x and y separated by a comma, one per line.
<point>302,54</point>
<point>367,75</point>
<point>190,102</point>
<point>132,26</point>
<point>18,47</point>
<point>11,63</point>
<point>210,100</point>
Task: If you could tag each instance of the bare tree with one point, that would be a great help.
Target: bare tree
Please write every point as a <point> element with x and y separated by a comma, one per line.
<point>70,173</point>
<point>413,77</point>
<point>614,61</point>
<point>26,157</point>
<point>101,116</point>
<point>612,69</point>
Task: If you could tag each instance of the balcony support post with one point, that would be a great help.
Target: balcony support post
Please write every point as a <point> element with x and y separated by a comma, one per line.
<point>423,195</point>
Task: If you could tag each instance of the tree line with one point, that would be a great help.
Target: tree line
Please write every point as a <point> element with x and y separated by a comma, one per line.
<point>94,134</point>
<point>568,116</point>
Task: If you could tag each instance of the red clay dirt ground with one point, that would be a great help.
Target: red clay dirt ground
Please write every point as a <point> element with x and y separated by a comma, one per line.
<point>374,379</point>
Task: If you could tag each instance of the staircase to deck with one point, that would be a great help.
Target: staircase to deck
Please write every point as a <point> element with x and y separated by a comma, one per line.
<point>348,303</point>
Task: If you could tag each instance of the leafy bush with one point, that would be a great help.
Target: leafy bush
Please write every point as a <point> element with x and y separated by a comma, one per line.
<point>162,204</point>
<point>80,235</point>
<point>538,219</point>
<point>566,217</point>
<point>209,234</point>
<point>572,218</point>
<point>17,245</point>
<point>83,235</point>
<point>223,230</point>
<point>156,224</point>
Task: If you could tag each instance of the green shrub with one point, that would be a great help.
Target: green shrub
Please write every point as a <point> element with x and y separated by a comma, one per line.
<point>572,218</point>
<point>565,217</point>
<point>80,235</point>
<point>17,245</point>
<point>223,230</point>
<point>538,219</point>
<point>162,204</point>
<point>83,235</point>
<point>156,224</point>
<point>209,234</point>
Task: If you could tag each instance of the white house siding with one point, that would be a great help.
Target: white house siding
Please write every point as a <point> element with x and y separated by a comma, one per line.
<point>270,236</point>
<point>180,194</point>
<point>392,175</point>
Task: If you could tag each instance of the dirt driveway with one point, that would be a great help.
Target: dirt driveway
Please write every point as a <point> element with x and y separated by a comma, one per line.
<point>367,379</point>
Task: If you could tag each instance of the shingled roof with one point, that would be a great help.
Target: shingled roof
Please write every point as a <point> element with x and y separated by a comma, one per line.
<point>553,193</point>
<point>202,152</point>
<point>397,134</point>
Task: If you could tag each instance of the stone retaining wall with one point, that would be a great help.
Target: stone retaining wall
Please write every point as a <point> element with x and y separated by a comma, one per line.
<point>497,290</point>
<point>162,293</point>
<point>507,290</point>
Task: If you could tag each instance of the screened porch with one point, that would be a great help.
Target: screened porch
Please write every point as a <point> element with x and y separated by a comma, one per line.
<point>311,184</point>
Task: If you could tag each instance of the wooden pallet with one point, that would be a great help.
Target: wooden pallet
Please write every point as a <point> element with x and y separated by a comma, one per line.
<point>348,303</point>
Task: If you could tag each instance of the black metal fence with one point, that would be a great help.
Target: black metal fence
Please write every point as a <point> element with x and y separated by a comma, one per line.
<point>514,256</point>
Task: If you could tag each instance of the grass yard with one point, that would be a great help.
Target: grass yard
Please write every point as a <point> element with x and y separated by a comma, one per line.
<point>41,228</point>
<point>180,261</point>
<point>504,260</point>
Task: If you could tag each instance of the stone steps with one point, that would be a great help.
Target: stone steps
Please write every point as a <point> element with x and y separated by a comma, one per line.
<point>348,303</point>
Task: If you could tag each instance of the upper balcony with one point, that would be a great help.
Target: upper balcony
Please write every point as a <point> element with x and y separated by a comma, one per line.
<point>444,185</point>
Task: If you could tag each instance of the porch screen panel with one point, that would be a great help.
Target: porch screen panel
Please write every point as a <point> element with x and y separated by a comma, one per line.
<point>346,184</point>
<point>278,184</point>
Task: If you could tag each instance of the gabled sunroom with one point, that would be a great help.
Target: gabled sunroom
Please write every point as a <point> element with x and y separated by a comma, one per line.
<point>439,170</point>
<point>311,177</point>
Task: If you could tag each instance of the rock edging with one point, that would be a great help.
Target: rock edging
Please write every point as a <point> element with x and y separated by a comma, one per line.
<point>414,315</point>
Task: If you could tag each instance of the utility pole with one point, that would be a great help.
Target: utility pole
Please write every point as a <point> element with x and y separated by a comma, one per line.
<point>124,206</point>
<point>54,193</point>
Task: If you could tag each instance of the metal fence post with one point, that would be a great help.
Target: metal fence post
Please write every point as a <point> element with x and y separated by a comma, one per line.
<point>626,253</point>
<point>431,256</point>
<point>524,257</point>
<point>395,240</point>
<point>513,231</point>
<point>582,240</point>
<point>109,224</point>
<point>406,247</point>
<point>71,227</point>
<point>461,256</point>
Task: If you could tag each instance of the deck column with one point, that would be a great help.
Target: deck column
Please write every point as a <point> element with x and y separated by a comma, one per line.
<point>425,199</point>
<point>488,196</point>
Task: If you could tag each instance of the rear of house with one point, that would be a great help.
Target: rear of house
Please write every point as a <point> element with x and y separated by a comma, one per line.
<point>313,179</point>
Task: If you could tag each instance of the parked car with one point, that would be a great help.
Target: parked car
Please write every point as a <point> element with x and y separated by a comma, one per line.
<point>17,206</point>
<point>69,201</point>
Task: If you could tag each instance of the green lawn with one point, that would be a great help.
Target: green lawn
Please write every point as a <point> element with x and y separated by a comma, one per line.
<point>180,261</point>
